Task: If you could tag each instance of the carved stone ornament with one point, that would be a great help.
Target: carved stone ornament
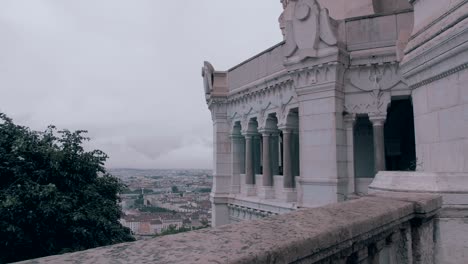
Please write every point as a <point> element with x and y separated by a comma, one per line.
<point>378,80</point>
<point>207,74</point>
<point>304,24</point>
<point>283,111</point>
<point>245,121</point>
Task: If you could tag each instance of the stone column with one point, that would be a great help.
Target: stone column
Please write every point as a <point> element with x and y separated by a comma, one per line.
<point>350,121</point>
<point>267,190</point>
<point>290,193</point>
<point>249,166</point>
<point>288,181</point>
<point>275,153</point>
<point>266,162</point>
<point>221,164</point>
<point>236,147</point>
<point>379,143</point>
<point>249,169</point>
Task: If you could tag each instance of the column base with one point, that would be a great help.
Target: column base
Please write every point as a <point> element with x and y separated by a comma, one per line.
<point>249,190</point>
<point>266,192</point>
<point>290,195</point>
<point>321,191</point>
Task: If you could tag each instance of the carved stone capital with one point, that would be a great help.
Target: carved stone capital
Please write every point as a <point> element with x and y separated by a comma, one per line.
<point>349,120</point>
<point>249,128</point>
<point>377,119</point>
<point>218,108</point>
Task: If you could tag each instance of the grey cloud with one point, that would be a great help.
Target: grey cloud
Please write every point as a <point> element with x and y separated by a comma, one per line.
<point>126,71</point>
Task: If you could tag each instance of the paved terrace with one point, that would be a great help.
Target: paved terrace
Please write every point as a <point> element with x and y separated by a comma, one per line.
<point>372,229</point>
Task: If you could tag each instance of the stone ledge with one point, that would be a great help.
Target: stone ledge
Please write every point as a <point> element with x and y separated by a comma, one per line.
<point>312,234</point>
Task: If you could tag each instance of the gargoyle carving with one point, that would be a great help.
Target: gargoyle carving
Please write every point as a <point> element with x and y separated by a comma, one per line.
<point>207,74</point>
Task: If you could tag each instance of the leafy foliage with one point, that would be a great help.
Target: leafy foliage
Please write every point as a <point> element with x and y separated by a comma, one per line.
<point>55,197</point>
<point>140,201</point>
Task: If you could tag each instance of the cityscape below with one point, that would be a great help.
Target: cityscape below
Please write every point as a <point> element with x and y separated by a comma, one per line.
<point>164,201</point>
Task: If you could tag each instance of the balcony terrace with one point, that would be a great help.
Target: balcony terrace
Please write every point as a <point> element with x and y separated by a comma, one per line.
<point>384,228</point>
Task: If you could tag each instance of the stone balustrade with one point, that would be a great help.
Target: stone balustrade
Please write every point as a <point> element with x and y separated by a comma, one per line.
<point>384,228</point>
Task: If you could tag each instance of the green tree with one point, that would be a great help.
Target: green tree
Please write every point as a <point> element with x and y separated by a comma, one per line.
<point>140,201</point>
<point>174,189</point>
<point>55,197</point>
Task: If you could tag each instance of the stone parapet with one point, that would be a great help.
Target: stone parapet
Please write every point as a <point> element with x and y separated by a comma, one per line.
<point>387,228</point>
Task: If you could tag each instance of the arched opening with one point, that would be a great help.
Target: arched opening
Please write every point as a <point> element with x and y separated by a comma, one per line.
<point>400,147</point>
<point>363,153</point>
<point>364,148</point>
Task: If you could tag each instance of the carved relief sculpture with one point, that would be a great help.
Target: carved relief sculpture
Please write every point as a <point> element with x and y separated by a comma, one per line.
<point>304,24</point>
<point>377,81</point>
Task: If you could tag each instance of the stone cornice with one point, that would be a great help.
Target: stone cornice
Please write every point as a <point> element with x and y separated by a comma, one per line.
<point>441,75</point>
<point>438,26</point>
<point>373,56</point>
<point>446,51</point>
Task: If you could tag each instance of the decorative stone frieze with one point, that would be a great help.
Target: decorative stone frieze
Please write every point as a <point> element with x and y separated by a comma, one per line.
<point>318,77</point>
<point>277,99</point>
<point>376,81</point>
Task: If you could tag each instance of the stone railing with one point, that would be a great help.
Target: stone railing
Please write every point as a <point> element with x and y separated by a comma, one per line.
<point>372,229</point>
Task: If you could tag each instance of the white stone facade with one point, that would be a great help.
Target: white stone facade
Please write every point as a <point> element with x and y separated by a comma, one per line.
<point>310,121</point>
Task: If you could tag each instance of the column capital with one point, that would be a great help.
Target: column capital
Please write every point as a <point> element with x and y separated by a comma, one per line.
<point>350,120</point>
<point>236,136</point>
<point>267,131</point>
<point>287,129</point>
<point>377,120</point>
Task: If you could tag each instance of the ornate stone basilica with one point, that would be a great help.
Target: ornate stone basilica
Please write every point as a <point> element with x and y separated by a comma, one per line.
<point>361,96</point>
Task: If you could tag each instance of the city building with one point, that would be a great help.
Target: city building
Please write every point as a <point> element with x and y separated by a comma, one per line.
<point>361,96</point>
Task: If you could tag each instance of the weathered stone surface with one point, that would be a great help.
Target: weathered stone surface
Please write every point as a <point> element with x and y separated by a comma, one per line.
<point>313,234</point>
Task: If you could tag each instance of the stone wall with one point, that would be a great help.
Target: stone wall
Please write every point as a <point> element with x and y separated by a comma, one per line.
<point>259,68</point>
<point>374,229</point>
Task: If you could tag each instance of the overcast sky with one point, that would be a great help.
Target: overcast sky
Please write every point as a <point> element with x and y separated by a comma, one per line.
<point>128,71</point>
